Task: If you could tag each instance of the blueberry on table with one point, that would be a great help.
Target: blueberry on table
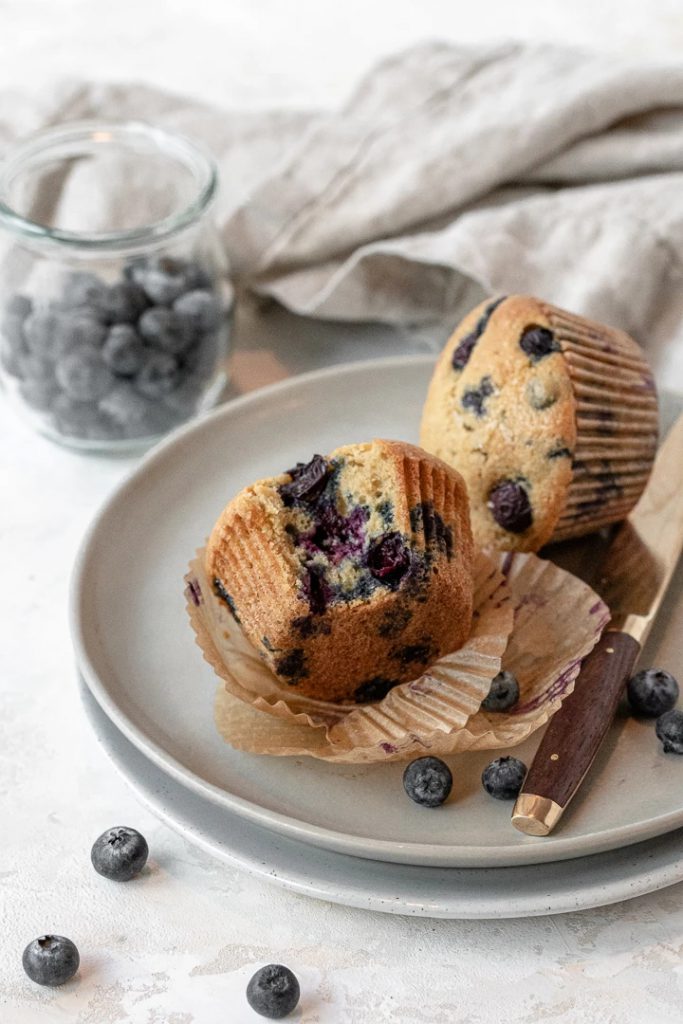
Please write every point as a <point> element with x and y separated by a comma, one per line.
<point>166,330</point>
<point>652,692</point>
<point>273,992</point>
<point>159,375</point>
<point>83,375</point>
<point>669,730</point>
<point>123,351</point>
<point>504,693</point>
<point>119,853</point>
<point>503,778</point>
<point>50,960</point>
<point>428,781</point>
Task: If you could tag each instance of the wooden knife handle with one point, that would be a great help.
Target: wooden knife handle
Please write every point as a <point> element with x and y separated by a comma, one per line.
<point>574,734</point>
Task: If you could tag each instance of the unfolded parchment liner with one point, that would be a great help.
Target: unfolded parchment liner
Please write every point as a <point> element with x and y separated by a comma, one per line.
<point>535,618</point>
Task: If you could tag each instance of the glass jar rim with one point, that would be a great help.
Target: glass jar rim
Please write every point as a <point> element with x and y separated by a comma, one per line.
<point>124,133</point>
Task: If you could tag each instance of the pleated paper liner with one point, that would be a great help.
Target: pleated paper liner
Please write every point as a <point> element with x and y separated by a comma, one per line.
<point>616,419</point>
<point>557,621</point>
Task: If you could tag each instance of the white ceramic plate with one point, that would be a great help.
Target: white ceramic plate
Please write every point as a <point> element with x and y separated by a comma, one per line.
<point>137,652</point>
<point>576,884</point>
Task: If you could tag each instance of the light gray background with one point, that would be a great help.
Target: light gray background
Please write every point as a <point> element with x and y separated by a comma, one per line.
<point>178,946</point>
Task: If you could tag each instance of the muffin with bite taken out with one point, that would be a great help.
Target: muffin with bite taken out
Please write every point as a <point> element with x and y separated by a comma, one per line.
<point>349,573</point>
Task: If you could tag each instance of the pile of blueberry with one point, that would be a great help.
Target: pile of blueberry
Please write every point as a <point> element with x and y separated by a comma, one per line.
<point>116,361</point>
<point>651,693</point>
<point>120,854</point>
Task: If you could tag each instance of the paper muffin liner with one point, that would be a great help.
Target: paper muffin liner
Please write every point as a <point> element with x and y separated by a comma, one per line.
<point>557,621</point>
<point>616,420</point>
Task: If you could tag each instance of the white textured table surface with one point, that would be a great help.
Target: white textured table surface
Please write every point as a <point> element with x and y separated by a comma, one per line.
<point>178,946</point>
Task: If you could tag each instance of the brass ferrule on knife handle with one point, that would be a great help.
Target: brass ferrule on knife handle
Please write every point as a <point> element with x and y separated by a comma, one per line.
<point>573,738</point>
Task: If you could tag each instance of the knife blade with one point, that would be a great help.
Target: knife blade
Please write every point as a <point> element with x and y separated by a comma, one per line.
<point>633,578</point>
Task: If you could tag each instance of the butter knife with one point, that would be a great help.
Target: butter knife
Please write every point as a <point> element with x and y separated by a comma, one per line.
<point>633,577</point>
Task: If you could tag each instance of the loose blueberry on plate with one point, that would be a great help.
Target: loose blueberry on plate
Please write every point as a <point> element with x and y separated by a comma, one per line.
<point>652,692</point>
<point>669,730</point>
<point>50,960</point>
<point>504,693</point>
<point>273,992</point>
<point>119,853</point>
<point>503,778</point>
<point>428,781</point>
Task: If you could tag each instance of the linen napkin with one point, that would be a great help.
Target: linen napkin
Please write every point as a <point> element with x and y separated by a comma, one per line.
<point>450,172</point>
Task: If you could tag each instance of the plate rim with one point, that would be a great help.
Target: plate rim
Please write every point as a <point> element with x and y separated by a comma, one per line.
<point>341,892</point>
<point>423,854</point>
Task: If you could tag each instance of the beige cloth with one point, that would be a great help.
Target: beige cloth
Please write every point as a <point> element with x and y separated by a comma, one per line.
<point>450,172</point>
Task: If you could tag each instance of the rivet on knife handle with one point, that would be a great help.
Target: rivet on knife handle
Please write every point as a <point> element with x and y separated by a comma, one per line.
<point>574,734</point>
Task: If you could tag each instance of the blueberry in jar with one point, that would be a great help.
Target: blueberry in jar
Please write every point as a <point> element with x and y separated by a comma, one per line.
<point>123,351</point>
<point>200,308</point>
<point>158,376</point>
<point>166,330</point>
<point>77,329</point>
<point>82,289</point>
<point>162,279</point>
<point>83,376</point>
<point>123,302</point>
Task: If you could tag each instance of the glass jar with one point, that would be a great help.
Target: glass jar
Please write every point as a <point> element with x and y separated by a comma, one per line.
<point>115,304</point>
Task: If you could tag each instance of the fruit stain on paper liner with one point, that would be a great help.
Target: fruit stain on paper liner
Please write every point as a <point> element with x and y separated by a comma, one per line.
<point>530,618</point>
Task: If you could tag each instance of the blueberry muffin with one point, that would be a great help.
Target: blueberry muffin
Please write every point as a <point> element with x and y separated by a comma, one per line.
<point>350,573</point>
<point>550,418</point>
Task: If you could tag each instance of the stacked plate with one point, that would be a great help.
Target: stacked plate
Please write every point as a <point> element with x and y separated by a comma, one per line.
<point>341,833</point>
